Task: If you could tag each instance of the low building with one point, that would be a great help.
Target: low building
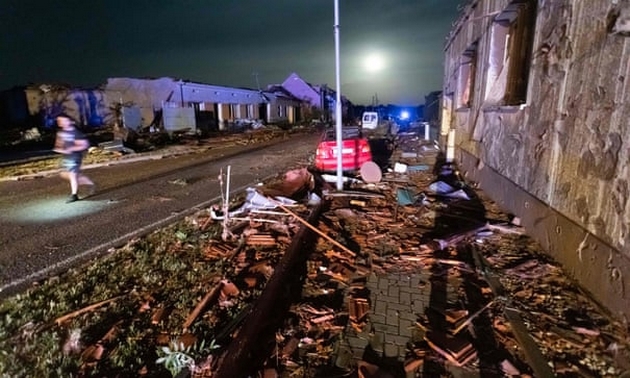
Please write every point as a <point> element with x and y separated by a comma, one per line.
<point>181,104</point>
<point>318,100</point>
<point>138,103</point>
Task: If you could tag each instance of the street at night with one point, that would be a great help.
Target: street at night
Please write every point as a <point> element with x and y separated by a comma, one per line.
<point>315,189</point>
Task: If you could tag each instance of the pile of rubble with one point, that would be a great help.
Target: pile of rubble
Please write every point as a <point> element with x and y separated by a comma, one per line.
<point>419,274</point>
<point>407,272</point>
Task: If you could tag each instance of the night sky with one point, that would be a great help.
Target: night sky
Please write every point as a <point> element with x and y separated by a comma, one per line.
<point>242,43</point>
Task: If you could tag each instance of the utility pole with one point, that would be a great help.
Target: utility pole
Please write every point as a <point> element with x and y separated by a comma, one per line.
<point>338,102</point>
<point>324,103</point>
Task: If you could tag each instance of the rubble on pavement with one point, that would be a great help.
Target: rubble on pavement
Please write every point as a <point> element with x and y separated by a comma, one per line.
<point>446,228</point>
<point>442,226</point>
<point>413,273</point>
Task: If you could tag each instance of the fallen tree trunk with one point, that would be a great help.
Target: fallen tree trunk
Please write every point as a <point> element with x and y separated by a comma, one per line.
<point>256,339</point>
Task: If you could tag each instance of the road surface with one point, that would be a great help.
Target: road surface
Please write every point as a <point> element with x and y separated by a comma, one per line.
<point>41,235</point>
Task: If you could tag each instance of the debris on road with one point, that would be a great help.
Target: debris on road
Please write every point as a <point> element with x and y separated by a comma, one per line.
<point>411,274</point>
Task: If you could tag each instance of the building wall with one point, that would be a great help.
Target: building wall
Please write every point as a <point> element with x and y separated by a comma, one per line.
<point>302,90</point>
<point>148,95</point>
<point>231,104</point>
<point>282,110</point>
<point>89,107</point>
<point>566,143</point>
<point>97,107</point>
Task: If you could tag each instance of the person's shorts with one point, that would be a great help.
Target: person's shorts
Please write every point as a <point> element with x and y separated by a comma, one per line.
<point>71,163</point>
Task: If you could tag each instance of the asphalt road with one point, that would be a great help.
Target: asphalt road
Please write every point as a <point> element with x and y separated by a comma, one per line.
<point>41,235</point>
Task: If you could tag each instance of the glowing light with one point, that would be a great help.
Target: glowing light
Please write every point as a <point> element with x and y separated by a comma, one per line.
<point>374,62</point>
<point>51,210</point>
<point>404,114</point>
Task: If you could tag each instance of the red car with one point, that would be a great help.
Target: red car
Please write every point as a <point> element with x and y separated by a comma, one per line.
<point>355,150</point>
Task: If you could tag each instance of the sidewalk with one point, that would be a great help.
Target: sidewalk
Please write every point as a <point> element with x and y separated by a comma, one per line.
<point>397,297</point>
<point>22,162</point>
<point>114,160</point>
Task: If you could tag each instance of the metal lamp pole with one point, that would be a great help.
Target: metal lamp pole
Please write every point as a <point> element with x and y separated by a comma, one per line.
<point>338,101</point>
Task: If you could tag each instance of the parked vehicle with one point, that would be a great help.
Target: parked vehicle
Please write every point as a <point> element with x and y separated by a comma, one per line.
<point>355,150</point>
<point>369,120</point>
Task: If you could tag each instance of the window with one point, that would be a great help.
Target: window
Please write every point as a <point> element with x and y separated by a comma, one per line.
<point>346,133</point>
<point>511,40</point>
<point>280,111</point>
<point>466,77</point>
<point>369,117</point>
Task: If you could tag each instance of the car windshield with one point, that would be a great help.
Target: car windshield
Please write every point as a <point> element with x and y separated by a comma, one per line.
<point>347,133</point>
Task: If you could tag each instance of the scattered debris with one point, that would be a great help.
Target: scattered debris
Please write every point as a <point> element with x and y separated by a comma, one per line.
<point>410,273</point>
<point>371,172</point>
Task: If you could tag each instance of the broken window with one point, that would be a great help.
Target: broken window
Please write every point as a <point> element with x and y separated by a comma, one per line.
<point>511,40</point>
<point>466,77</point>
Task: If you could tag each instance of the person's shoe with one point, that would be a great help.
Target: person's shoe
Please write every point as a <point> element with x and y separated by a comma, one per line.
<point>72,198</point>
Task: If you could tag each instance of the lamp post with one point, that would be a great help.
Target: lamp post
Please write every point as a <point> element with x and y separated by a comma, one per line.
<point>338,101</point>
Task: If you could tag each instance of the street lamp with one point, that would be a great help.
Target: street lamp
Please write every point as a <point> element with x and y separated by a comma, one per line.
<point>338,101</point>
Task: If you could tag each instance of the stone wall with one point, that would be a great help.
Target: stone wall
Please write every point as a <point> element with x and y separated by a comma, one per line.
<point>567,144</point>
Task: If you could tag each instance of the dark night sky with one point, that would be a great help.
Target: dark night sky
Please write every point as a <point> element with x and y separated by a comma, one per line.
<point>222,42</point>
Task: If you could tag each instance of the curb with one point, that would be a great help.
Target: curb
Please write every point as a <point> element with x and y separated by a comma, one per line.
<point>133,158</point>
<point>51,172</point>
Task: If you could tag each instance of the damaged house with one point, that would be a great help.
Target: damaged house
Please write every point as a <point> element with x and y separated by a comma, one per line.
<point>535,107</point>
<point>176,105</point>
<point>38,105</point>
<point>182,104</point>
<point>318,100</point>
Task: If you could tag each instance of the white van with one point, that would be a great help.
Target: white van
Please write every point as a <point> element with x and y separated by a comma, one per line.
<point>369,120</point>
